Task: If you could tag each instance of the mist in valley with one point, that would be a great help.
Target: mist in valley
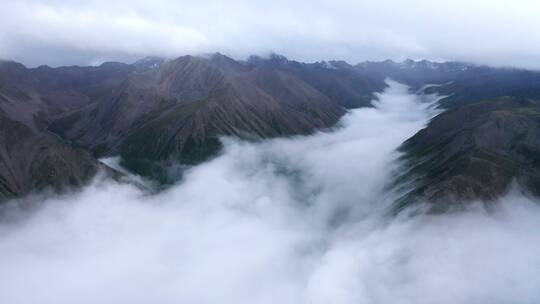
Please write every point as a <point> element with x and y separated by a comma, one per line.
<point>292,220</point>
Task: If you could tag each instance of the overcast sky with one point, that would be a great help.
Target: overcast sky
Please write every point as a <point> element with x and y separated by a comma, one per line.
<point>54,32</point>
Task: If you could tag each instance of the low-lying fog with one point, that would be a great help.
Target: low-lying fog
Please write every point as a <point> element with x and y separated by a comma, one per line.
<point>299,220</point>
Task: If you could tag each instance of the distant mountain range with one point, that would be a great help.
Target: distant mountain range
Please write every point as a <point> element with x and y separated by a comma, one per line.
<point>56,122</point>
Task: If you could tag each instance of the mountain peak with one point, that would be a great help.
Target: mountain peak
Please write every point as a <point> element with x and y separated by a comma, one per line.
<point>149,62</point>
<point>278,57</point>
<point>272,58</point>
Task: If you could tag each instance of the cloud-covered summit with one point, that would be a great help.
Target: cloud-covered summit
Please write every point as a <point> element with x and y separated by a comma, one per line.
<point>55,32</point>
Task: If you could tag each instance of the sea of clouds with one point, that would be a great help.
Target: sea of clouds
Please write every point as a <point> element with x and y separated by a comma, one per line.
<point>296,220</point>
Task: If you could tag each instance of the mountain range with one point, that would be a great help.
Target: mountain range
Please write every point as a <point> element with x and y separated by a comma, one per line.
<point>57,122</point>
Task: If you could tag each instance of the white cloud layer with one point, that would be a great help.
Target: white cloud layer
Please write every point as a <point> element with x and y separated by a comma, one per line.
<point>296,220</point>
<point>495,32</point>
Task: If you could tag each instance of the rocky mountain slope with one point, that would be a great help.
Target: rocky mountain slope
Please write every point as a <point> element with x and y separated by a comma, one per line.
<point>474,152</point>
<point>155,113</point>
<point>462,83</point>
<point>338,80</point>
<point>178,111</point>
<point>32,158</point>
<point>31,161</point>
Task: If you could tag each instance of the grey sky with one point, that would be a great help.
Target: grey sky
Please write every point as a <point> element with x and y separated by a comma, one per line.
<point>496,32</point>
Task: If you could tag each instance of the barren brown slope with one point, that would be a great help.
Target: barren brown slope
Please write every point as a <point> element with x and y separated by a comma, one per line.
<point>177,112</point>
<point>42,93</point>
<point>31,161</point>
<point>474,152</point>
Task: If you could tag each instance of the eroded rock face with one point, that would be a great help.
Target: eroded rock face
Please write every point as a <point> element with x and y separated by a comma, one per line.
<point>178,111</point>
<point>474,152</point>
<point>151,113</point>
<point>31,161</point>
<point>155,113</point>
<point>31,158</point>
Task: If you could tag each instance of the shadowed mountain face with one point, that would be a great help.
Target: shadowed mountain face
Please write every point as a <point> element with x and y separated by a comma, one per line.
<point>462,83</point>
<point>338,80</point>
<point>153,113</point>
<point>44,92</point>
<point>156,113</point>
<point>483,83</point>
<point>31,158</point>
<point>178,111</point>
<point>474,152</point>
<point>32,161</point>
